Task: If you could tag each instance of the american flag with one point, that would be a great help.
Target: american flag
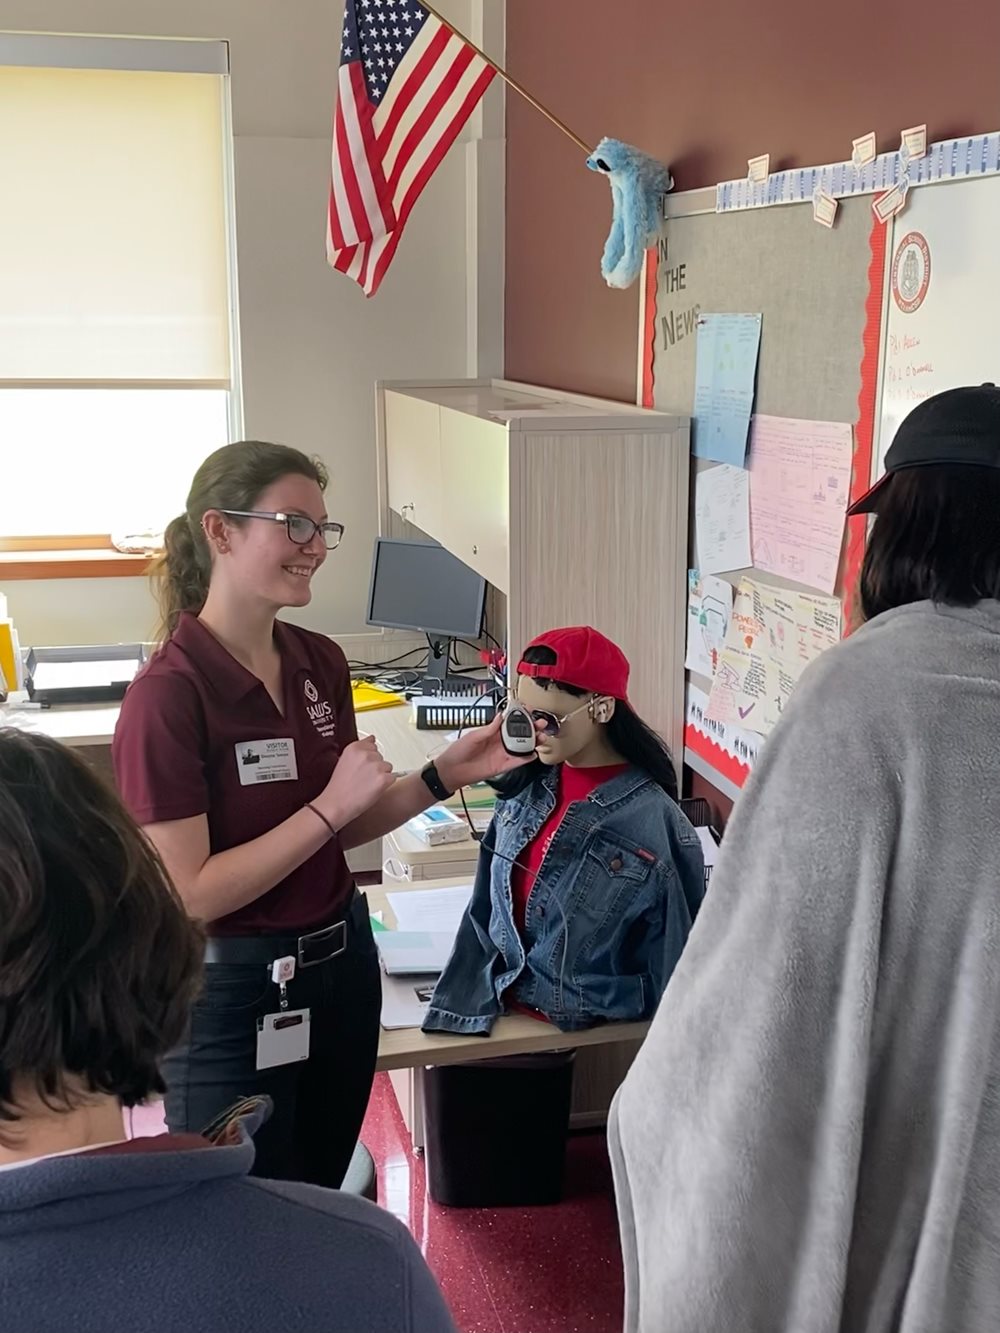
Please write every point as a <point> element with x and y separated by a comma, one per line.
<point>407,85</point>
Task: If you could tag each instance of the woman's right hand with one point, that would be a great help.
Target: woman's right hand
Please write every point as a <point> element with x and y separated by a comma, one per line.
<point>360,778</point>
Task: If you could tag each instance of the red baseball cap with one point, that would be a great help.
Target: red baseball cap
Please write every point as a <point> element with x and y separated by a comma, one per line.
<point>584,658</point>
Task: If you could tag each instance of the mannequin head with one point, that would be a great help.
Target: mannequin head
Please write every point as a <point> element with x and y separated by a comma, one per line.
<point>596,725</point>
<point>581,722</point>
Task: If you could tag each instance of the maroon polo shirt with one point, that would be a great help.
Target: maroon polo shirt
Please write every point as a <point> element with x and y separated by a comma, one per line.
<point>186,723</point>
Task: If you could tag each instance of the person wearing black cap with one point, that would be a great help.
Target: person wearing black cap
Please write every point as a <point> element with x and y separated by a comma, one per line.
<point>810,1136</point>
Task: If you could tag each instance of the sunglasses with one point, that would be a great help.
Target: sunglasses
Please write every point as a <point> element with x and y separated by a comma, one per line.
<point>552,723</point>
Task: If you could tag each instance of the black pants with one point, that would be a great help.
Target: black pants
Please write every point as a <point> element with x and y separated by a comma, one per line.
<point>319,1105</point>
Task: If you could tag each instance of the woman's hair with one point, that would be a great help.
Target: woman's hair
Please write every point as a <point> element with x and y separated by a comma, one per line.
<point>637,743</point>
<point>99,962</point>
<point>231,478</point>
<point>936,538</point>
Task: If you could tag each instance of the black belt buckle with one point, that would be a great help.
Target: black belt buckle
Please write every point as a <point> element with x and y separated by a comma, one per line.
<point>314,948</point>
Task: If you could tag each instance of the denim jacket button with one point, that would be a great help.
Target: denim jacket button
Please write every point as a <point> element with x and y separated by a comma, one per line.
<point>616,864</point>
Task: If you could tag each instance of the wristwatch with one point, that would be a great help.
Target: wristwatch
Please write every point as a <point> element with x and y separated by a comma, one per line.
<point>432,781</point>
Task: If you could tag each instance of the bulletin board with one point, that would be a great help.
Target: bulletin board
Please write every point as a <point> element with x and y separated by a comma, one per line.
<point>820,295</point>
<point>859,322</point>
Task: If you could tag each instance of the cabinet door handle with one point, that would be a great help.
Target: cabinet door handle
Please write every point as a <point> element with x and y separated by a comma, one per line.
<point>406,509</point>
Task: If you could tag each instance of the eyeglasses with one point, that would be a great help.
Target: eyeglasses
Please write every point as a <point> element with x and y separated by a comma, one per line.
<point>301,530</point>
<point>553,724</point>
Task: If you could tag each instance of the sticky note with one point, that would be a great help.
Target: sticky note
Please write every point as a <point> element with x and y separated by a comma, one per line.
<point>915,141</point>
<point>887,205</point>
<point>759,168</point>
<point>825,209</point>
<point>865,150</point>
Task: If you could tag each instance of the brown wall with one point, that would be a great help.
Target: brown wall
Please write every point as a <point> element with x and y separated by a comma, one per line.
<point>703,86</point>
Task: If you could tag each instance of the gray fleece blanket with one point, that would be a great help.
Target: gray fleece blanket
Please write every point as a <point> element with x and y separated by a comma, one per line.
<point>809,1141</point>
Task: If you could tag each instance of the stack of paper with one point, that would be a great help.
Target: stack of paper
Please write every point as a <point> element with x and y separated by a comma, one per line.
<point>413,955</point>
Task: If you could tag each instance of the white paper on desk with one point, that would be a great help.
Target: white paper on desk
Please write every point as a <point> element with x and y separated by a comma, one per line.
<point>404,1002</point>
<point>722,518</point>
<point>436,910</point>
<point>710,850</point>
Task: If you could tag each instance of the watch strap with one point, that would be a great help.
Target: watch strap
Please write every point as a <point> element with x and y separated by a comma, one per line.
<point>432,781</point>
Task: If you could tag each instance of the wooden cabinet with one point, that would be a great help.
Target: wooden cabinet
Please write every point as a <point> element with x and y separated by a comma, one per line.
<point>413,450</point>
<point>574,508</point>
<point>475,523</point>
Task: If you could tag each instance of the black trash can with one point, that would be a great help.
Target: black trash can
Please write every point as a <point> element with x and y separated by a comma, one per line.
<point>495,1130</point>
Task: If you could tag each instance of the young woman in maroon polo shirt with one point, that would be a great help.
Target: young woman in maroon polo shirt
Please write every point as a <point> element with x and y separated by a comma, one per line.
<point>237,752</point>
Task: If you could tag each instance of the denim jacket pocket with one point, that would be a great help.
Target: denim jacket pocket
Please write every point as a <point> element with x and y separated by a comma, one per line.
<point>619,860</point>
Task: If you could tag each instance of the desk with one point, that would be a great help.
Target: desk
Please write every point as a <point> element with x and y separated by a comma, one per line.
<point>90,728</point>
<point>605,1052</point>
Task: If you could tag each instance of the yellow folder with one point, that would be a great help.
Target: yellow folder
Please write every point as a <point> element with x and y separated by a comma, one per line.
<point>367,697</point>
<point>8,666</point>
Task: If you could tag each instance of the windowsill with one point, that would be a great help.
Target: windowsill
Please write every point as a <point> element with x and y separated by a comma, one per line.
<point>82,564</point>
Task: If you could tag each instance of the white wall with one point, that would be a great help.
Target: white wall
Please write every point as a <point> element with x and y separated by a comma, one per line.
<point>312,345</point>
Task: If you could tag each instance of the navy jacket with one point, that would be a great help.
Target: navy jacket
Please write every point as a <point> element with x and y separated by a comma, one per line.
<point>606,920</point>
<point>185,1242</point>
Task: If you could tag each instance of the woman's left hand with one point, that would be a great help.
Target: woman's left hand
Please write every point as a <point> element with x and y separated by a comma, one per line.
<point>476,756</point>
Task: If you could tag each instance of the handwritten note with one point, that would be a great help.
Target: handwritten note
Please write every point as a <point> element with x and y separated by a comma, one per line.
<point>800,475</point>
<point>725,374</point>
<point>722,519</point>
<point>710,604</point>
<point>773,636</point>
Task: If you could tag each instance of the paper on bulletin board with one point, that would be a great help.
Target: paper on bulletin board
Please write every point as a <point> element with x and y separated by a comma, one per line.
<point>725,375</point>
<point>773,636</point>
<point>722,519</point>
<point>710,605</point>
<point>800,477</point>
<point>737,743</point>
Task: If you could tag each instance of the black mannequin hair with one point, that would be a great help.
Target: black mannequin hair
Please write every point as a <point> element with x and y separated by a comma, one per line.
<point>637,743</point>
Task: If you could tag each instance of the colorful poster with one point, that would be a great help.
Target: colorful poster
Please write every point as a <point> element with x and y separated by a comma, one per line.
<point>725,376</point>
<point>800,477</point>
<point>710,604</point>
<point>773,636</point>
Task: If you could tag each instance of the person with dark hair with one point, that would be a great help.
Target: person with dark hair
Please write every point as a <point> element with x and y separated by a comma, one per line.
<point>809,1139</point>
<point>99,965</point>
<point>238,753</point>
<point>590,876</point>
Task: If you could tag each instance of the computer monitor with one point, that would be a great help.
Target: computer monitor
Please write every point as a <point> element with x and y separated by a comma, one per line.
<point>418,585</point>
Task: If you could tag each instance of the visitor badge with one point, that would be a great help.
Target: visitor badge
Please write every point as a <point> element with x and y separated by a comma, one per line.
<point>282,1038</point>
<point>266,761</point>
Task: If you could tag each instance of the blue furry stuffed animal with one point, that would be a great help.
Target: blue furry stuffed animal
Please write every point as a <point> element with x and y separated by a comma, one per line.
<point>638,184</point>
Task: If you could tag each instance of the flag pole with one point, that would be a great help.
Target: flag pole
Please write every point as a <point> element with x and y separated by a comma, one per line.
<point>510,81</point>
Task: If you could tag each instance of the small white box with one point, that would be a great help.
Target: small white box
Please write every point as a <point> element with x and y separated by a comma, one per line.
<point>438,825</point>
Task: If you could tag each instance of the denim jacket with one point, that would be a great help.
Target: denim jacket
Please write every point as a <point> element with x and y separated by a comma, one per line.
<point>606,919</point>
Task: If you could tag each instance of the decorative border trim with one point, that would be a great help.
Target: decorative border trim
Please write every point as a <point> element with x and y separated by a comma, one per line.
<point>953,159</point>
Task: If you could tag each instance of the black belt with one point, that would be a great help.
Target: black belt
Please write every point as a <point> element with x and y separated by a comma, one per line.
<point>318,946</point>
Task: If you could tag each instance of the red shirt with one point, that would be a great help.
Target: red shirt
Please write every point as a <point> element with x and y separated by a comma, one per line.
<point>175,756</point>
<point>575,784</point>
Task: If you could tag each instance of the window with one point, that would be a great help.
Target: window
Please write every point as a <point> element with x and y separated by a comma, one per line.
<point>117,365</point>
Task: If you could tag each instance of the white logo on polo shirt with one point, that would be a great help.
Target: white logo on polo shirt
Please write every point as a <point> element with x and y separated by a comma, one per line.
<point>320,711</point>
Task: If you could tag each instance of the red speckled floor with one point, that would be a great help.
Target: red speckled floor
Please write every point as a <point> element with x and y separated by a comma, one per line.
<point>510,1270</point>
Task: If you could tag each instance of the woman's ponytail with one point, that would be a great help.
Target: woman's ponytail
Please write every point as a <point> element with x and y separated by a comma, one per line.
<point>180,575</point>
